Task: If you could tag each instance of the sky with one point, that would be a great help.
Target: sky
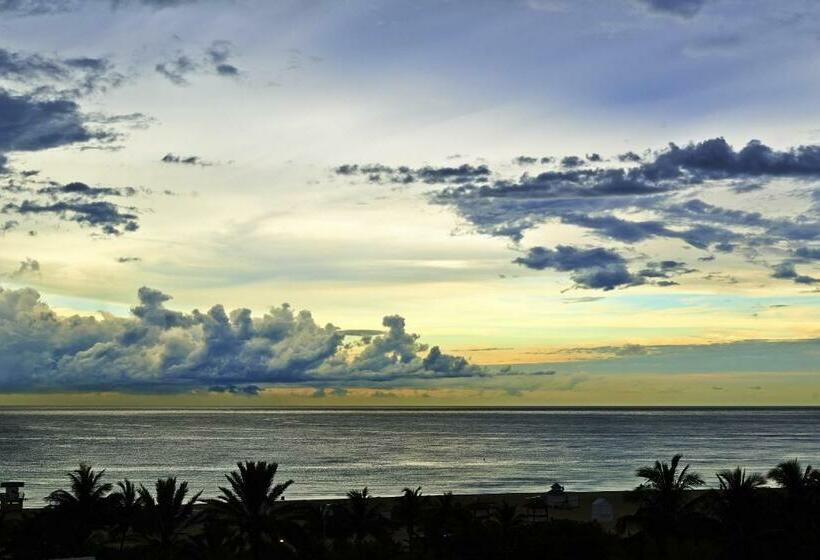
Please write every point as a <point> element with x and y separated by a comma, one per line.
<point>437,202</point>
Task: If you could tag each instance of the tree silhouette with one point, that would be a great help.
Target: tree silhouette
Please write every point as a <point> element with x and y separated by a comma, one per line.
<point>125,507</point>
<point>249,506</point>
<point>506,523</point>
<point>80,509</point>
<point>441,523</point>
<point>408,512</point>
<point>167,515</point>
<point>664,509</point>
<point>736,503</point>
<point>363,517</point>
<point>800,502</point>
<point>797,481</point>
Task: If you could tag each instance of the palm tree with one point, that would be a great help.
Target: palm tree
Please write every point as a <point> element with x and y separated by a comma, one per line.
<point>664,508</point>
<point>736,504</point>
<point>167,514</point>
<point>363,516</point>
<point>125,503</point>
<point>797,481</point>
<point>801,496</point>
<point>81,508</point>
<point>249,505</point>
<point>441,523</point>
<point>408,512</point>
<point>507,522</point>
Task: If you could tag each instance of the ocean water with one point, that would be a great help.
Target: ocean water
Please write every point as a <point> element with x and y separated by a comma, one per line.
<point>328,452</point>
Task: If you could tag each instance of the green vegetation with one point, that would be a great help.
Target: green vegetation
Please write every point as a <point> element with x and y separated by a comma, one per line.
<point>740,518</point>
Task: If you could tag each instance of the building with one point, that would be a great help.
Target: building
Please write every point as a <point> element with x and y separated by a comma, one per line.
<point>11,499</point>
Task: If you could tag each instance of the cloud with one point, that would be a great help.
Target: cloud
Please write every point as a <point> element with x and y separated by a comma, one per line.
<point>743,356</point>
<point>27,267</point>
<point>680,8</point>
<point>525,160</point>
<point>589,268</point>
<point>109,218</point>
<point>161,349</point>
<point>184,160</point>
<point>45,7</point>
<point>377,173</point>
<point>659,196</point>
<point>124,260</point>
<point>786,270</point>
<point>53,75</point>
<point>214,60</point>
<point>571,161</point>
<point>81,189</point>
<point>812,253</point>
<point>219,54</point>
<point>629,157</point>
<point>30,124</point>
<point>177,69</point>
<point>665,269</point>
<point>243,390</point>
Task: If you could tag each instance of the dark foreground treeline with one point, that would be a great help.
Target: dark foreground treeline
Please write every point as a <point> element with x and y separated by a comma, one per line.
<point>248,519</point>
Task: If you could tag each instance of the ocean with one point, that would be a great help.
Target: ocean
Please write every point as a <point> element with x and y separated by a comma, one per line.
<point>328,452</point>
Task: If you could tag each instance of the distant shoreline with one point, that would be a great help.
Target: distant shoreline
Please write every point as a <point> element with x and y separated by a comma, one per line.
<point>582,512</point>
<point>483,503</point>
<point>590,408</point>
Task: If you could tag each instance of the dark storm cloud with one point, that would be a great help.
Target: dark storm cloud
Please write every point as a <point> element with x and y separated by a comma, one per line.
<point>157,349</point>
<point>679,8</point>
<point>629,157</point>
<point>29,124</point>
<point>786,270</point>
<point>716,159</point>
<point>107,217</point>
<point>79,203</point>
<point>618,229</point>
<point>600,200</point>
<point>665,189</point>
<point>589,268</point>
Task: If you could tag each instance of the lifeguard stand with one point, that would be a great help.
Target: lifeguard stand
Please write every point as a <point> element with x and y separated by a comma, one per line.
<point>11,499</point>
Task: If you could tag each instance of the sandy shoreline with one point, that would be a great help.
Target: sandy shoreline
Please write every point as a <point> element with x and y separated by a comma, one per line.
<point>574,506</point>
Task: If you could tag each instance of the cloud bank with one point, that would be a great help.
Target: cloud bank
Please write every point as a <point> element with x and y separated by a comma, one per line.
<point>160,349</point>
